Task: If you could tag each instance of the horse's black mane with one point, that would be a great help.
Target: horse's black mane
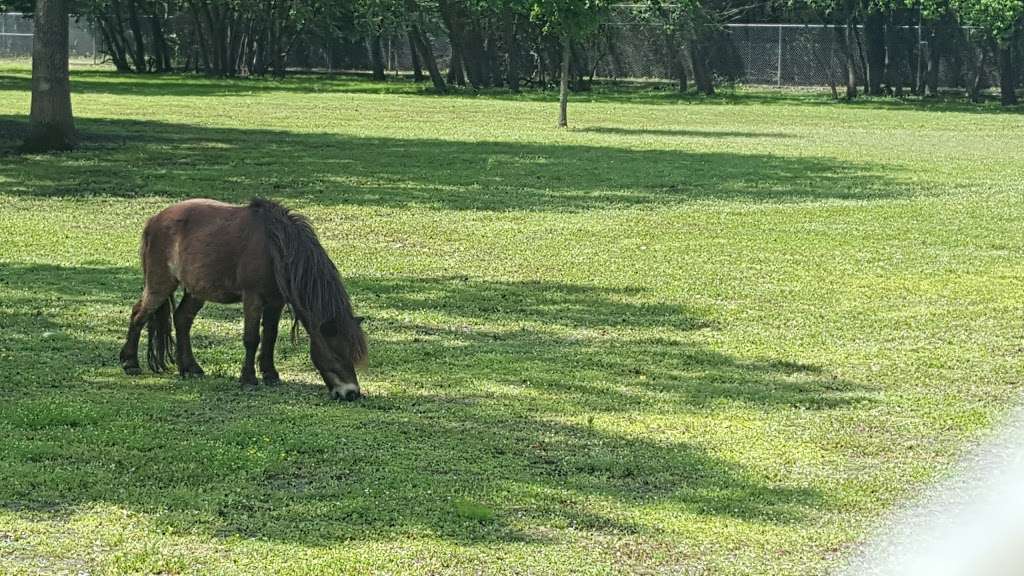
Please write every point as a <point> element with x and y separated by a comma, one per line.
<point>306,277</point>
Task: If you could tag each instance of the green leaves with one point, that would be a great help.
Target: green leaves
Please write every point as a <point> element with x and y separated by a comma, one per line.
<point>996,18</point>
<point>576,19</point>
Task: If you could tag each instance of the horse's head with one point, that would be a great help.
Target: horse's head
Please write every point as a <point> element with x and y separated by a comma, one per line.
<point>337,347</point>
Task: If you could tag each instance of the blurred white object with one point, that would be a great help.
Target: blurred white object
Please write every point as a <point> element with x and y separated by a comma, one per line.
<point>970,525</point>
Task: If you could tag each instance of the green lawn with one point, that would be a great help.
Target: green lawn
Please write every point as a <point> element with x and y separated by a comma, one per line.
<point>686,336</point>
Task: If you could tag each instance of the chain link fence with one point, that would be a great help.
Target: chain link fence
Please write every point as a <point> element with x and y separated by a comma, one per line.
<point>630,48</point>
<point>16,38</point>
<point>795,54</point>
<point>756,54</point>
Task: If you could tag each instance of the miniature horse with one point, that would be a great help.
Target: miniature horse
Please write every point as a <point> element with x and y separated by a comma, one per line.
<point>262,255</point>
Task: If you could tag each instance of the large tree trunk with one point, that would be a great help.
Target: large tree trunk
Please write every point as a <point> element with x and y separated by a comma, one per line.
<point>492,58</point>
<point>118,37</point>
<point>252,33</point>
<point>426,53</point>
<point>421,45</point>
<point>945,41</point>
<point>874,37</point>
<point>931,84</point>
<point>910,54</point>
<point>456,75</point>
<point>203,61</point>
<point>563,95</point>
<point>236,37</point>
<point>579,69</point>
<point>956,60</point>
<point>377,57</point>
<point>113,42</point>
<point>469,44</point>
<point>863,61</point>
<point>701,74</point>
<point>974,85</point>
<point>452,22</point>
<point>618,65</point>
<point>260,58</point>
<point>417,69</point>
<point>51,125</point>
<point>274,60</point>
<point>161,52</point>
<point>511,49</point>
<point>138,51</point>
<point>1007,75</point>
<point>893,66</point>
<point>214,23</point>
<point>851,70</point>
<point>675,52</point>
<point>473,54</point>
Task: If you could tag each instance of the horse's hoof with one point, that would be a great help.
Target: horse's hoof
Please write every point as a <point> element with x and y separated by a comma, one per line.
<point>132,370</point>
<point>271,379</point>
<point>250,382</point>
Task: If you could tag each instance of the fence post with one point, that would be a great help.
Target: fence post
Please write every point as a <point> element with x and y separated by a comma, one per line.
<point>920,53</point>
<point>778,69</point>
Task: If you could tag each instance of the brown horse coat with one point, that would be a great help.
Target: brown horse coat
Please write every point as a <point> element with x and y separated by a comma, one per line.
<point>262,255</point>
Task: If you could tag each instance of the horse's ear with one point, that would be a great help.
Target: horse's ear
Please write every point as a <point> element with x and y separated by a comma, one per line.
<point>329,329</point>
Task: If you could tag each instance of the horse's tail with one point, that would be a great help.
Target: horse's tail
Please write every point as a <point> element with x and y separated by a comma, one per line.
<point>160,339</point>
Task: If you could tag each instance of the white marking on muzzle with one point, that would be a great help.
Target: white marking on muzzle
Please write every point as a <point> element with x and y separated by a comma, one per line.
<point>346,390</point>
<point>340,389</point>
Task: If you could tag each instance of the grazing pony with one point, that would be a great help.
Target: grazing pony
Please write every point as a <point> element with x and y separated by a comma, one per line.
<point>262,255</point>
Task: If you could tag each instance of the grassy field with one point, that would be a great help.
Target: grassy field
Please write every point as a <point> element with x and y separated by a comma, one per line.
<point>686,336</point>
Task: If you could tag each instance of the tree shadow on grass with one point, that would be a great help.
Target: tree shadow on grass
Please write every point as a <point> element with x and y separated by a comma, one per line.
<point>604,345</point>
<point>618,131</point>
<point>195,85</point>
<point>603,91</point>
<point>122,158</point>
<point>491,427</point>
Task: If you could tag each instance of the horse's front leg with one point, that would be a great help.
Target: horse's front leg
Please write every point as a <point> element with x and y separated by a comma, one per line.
<point>252,305</point>
<point>271,320</point>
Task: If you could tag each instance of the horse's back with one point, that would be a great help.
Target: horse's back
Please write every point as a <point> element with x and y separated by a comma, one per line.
<point>213,249</point>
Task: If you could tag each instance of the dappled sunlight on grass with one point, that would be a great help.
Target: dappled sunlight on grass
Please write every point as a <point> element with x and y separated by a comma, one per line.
<point>282,449</point>
<point>439,173</point>
<point>687,335</point>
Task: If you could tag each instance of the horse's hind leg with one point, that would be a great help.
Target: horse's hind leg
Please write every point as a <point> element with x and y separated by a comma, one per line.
<point>252,305</point>
<point>142,311</point>
<point>159,287</point>
<point>183,318</point>
<point>271,320</point>
<point>130,350</point>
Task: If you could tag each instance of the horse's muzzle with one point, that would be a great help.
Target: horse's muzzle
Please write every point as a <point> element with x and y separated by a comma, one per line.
<point>347,392</point>
<point>341,390</point>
